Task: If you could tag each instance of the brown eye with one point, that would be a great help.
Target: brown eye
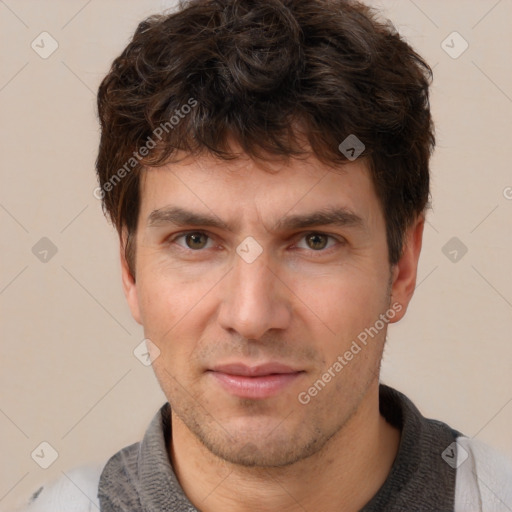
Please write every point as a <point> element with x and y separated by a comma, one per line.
<point>316,241</point>
<point>196,240</point>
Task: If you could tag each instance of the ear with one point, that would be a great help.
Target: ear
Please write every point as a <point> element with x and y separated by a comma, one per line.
<point>129,285</point>
<point>405,271</point>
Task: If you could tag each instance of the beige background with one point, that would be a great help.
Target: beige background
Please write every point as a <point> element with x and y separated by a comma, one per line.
<point>68,373</point>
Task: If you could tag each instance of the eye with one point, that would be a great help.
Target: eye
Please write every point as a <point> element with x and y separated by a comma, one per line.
<point>317,242</point>
<point>194,240</point>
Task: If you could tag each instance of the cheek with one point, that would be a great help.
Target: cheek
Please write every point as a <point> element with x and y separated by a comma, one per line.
<point>339,301</point>
<point>343,313</point>
<point>168,294</point>
<point>167,306</point>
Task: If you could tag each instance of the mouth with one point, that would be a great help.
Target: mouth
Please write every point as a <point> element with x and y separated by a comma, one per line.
<point>255,382</point>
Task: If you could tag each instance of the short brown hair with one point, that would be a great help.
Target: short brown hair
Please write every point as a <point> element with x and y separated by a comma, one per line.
<point>253,71</point>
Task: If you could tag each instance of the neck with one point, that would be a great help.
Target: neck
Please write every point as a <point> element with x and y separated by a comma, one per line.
<point>344,475</point>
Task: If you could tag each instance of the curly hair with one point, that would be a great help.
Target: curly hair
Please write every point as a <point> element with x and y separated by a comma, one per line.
<point>255,71</point>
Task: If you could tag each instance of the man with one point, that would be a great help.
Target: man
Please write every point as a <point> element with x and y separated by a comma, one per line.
<point>266,165</point>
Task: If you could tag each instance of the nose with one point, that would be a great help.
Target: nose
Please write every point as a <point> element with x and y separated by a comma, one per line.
<point>254,298</point>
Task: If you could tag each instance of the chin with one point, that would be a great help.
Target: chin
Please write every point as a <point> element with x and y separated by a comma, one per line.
<point>263,446</point>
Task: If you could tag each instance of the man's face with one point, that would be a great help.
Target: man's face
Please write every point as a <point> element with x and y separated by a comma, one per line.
<point>226,300</point>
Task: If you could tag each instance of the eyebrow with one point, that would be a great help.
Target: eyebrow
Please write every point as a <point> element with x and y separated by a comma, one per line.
<point>329,216</point>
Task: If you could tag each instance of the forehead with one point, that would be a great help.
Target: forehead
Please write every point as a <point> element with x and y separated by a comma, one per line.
<point>244,189</point>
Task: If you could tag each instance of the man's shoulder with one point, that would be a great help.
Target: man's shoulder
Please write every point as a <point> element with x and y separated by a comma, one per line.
<point>484,477</point>
<point>76,490</point>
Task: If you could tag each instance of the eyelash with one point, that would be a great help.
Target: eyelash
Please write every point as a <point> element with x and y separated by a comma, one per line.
<point>320,252</point>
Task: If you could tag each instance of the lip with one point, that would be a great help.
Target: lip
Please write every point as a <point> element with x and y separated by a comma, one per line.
<point>255,382</point>
<point>254,371</point>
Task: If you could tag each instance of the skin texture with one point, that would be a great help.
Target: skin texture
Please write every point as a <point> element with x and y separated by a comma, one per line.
<point>301,302</point>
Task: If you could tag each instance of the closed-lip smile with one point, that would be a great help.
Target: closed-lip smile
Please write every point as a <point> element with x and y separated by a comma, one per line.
<point>256,382</point>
